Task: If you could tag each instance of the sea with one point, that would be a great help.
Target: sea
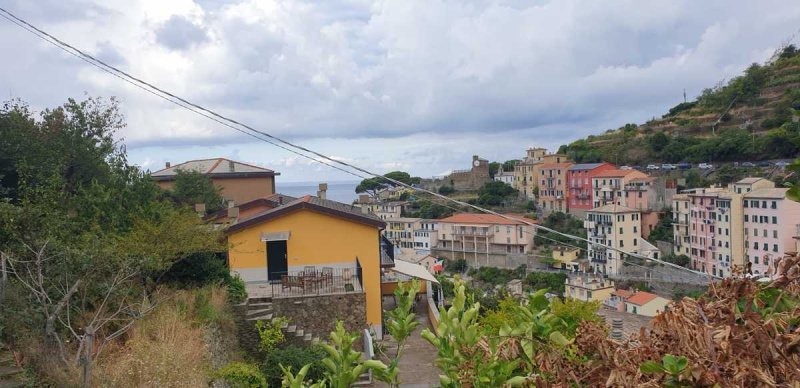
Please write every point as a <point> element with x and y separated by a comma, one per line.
<point>342,191</point>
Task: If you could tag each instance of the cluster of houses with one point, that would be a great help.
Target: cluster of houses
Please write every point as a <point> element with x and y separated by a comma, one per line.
<point>596,288</point>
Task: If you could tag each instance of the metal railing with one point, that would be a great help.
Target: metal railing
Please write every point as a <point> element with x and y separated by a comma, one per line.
<point>317,280</point>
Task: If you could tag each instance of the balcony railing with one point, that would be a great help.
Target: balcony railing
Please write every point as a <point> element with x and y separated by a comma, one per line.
<point>315,280</point>
<point>470,233</point>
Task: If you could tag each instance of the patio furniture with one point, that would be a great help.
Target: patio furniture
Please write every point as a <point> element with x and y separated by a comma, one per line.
<point>327,275</point>
<point>289,281</point>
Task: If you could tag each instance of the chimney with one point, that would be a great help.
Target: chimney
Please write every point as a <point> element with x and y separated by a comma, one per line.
<point>231,204</point>
<point>168,165</point>
<point>231,166</point>
<point>364,209</point>
<point>233,212</point>
<point>280,200</point>
<point>323,188</point>
<point>200,208</point>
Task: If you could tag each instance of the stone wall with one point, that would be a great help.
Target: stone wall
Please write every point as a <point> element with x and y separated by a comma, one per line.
<point>245,330</point>
<point>318,314</point>
<point>499,260</point>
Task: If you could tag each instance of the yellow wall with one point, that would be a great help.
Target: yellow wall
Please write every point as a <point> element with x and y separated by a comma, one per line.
<point>650,309</point>
<point>239,190</point>
<point>599,294</point>
<point>315,239</point>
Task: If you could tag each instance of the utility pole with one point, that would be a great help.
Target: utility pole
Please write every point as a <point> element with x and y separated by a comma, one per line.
<point>684,95</point>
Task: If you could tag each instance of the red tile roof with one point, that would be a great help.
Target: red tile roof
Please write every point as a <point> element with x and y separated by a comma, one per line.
<point>623,293</point>
<point>472,218</point>
<point>641,298</point>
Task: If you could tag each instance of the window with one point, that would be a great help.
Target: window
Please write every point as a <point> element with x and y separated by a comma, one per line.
<point>774,204</point>
<point>774,220</point>
<point>774,247</point>
<point>621,243</point>
<point>774,234</point>
<point>634,242</point>
<point>620,231</point>
<point>755,245</point>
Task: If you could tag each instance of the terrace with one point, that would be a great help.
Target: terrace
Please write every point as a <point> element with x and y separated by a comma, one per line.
<point>310,281</point>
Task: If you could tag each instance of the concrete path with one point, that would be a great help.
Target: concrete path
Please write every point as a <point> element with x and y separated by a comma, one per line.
<point>418,362</point>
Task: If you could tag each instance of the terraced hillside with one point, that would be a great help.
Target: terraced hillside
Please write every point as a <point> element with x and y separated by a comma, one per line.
<point>752,117</point>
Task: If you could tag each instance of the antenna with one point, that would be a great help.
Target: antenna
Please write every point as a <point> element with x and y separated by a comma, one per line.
<point>684,95</point>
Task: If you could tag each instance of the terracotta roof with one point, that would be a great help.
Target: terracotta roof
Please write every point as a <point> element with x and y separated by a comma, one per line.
<point>271,201</point>
<point>309,202</point>
<point>749,180</point>
<point>216,167</point>
<point>472,218</point>
<point>556,165</point>
<point>615,173</point>
<point>641,298</point>
<point>623,293</point>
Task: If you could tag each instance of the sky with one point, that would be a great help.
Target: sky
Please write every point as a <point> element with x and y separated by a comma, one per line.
<point>418,86</point>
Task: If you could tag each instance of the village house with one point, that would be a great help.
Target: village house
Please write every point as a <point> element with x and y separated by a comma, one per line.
<point>310,247</point>
<point>506,177</point>
<point>617,299</point>
<point>645,303</point>
<point>400,231</point>
<point>608,184</point>
<point>588,288</point>
<point>425,236</point>
<point>566,258</point>
<point>617,227</point>
<point>470,236</point>
<point>579,183</point>
<point>553,187</point>
<point>525,173</point>
<point>381,209</point>
<point>239,182</point>
<point>770,218</point>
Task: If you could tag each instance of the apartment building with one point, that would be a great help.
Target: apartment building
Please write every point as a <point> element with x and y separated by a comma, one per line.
<point>525,177</point>
<point>382,209</point>
<point>425,236</point>
<point>579,183</point>
<point>553,187</point>
<point>588,288</point>
<point>400,231</point>
<point>608,185</point>
<point>479,235</point>
<point>617,227</point>
<point>703,232</point>
<point>680,224</point>
<point>770,220</point>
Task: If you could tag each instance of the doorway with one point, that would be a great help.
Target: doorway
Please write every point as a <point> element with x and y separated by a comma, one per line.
<point>277,260</point>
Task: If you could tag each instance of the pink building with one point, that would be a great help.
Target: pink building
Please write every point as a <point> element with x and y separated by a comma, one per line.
<point>579,184</point>
<point>770,220</point>
<point>702,231</point>
<point>607,185</point>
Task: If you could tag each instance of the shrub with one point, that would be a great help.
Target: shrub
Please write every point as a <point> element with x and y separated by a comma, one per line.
<point>236,290</point>
<point>445,190</point>
<point>270,334</point>
<point>552,281</point>
<point>197,270</point>
<point>242,375</point>
<point>294,357</point>
<point>459,265</point>
<point>573,312</point>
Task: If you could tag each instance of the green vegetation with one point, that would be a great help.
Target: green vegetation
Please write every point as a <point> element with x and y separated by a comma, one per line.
<point>663,230</point>
<point>374,185</point>
<point>495,193</point>
<point>681,260</point>
<point>455,266</point>
<point>242,375</point>
<point>551,281</point>
<point>423,208</point>
<point>446,190</point>
<point>293,357</point>
<point>563,223</point>
<point>689,132</point>
<point>193,187</point>
<point>270,334</point>
<point>496,276</point>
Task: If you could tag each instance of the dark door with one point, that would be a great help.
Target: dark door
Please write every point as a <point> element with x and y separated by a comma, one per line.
<point>277,263</point>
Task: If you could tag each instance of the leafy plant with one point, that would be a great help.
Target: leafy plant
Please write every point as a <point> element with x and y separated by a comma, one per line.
<point>675,369</point>
<point>241,375</point>
<point>401,323</point>
<point>270,334</point>
<point>237,292</point>
<point>295,358</point>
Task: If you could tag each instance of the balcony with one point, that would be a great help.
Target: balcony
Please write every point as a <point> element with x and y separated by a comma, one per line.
<point>310,281</point>
<point>476,233</point>
<point>597,234</point>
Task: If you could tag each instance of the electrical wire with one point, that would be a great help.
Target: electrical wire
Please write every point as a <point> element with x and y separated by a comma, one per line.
<point>271,139</point>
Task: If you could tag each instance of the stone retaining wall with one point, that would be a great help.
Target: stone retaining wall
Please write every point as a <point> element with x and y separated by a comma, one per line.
<point>318,314</point>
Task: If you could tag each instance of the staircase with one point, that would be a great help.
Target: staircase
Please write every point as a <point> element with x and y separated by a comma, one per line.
<point>260,309</point>
<point>10,372</point>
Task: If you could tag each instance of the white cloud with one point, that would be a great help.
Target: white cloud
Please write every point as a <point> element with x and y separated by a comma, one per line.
<point>415,84</point>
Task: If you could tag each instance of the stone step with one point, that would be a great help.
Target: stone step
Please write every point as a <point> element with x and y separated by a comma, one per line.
<point>308,337</point>
<point>260,299</point>
<point>315,340</point>
<point>265,317</point>
<point>8,371</point>
<point>299,333</point>
<point>260,305</point>
<point>291,328</point>
<point>285,325</point>
<point>258,312</point>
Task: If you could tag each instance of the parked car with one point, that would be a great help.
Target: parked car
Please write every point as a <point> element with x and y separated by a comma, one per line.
<point>782,163</point>
<point>764,164</point>
<point>684,166</point>
<point>705,166</point>
<point>653,167</point>
<point>668,166</point>
<point>626,168</point>
<point>747,164</point>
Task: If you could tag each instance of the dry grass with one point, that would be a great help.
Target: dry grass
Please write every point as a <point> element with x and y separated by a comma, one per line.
<point>166,349</point>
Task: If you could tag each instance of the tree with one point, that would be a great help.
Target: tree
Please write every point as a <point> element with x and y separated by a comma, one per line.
<point>658,141</point>
<point>495,193</point>
<point>373,186</point>
<point>494,168</point>
<point>508,165</point>
<point>192,187</point>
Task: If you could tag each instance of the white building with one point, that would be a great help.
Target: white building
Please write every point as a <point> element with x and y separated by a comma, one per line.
<point>617,227</point>
<point>425,236</point>
<point>506,177</point>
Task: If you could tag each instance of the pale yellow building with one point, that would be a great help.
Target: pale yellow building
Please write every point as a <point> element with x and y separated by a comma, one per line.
<point>614,226</point>
<point>525,173</point>
<point>680,224</point>
<point>645,303</point>
<point>588,288</point>
<point>565,257</point>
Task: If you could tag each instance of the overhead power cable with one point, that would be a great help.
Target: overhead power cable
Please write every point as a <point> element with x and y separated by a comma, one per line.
<point>274,140</point>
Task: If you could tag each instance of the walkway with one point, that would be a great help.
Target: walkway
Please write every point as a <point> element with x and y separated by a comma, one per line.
<point>418,363</point>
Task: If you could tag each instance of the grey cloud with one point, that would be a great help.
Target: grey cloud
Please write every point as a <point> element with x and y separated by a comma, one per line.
<point>179,33</point>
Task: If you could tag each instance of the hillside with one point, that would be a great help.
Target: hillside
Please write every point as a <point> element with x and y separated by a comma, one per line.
<point>752,117</point>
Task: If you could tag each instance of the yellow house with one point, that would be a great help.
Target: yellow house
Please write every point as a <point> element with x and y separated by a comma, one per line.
<point>312,245</point>
<point>588,288</point>
<point>645,303</point>
<point>565,258</point>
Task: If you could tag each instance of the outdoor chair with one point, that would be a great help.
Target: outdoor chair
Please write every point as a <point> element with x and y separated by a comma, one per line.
<point>289,281</point>
<point>327,275</point>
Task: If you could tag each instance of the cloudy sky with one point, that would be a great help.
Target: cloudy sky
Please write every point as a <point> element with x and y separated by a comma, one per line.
<point>403,84</point>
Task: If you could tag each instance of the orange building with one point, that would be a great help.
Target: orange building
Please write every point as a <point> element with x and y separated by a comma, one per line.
<point>238,181</point>
<point>553,187</point>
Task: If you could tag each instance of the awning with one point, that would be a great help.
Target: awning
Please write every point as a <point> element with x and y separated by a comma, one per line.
<point>413,270</point>
<point>275,236</point>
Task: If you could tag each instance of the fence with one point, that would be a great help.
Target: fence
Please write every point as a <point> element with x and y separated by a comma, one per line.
<point>316,281</point>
